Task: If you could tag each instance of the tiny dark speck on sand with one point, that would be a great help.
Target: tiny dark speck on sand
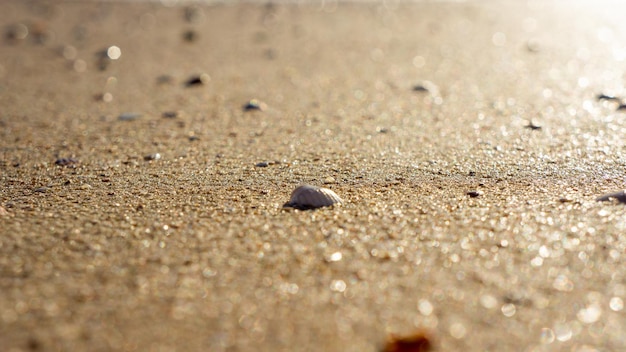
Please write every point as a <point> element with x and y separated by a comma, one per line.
<point>533,126</point>
<point>262,164</point>
<point>190,36</point>
<point>129,116</point>
<point>170,114</point>
<point>473,194</point>
<point>66,161</point>
<point>198,80</point>
<point>607,97</point>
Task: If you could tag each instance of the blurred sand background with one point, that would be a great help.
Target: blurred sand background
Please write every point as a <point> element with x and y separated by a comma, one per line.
<point>107,246</point>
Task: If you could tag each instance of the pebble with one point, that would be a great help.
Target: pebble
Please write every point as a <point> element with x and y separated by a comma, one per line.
<point>426,87</point>
<point>41,189</point>
<point>255,104</point>
<point>190,36</point>
<point>66,161</point>
<point>307,197</point>
<point>619,196</point>
<point>262,164</point>
<point>170,114</point>
<point>621,107</point>
<point>129,116</point>
<point>198,80</point>
<point>417,342</point>
<point>473,194</point>
<point>149,157</point>
<point>329,180</point>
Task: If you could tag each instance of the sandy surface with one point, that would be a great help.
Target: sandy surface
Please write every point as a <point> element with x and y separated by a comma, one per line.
<point>193,251</point>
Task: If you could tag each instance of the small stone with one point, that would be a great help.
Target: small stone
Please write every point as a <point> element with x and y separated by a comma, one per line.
<point>618,196</point>
<point>41,189</point>
<point>193,138</point>
<point>150,157</point>
<point>255,104</point>
<point>262,164</point>
<point>382,130</point>
<point>190,36</point>
<point>426,87</point>
<point>418,342</point>
<point>329,180</point>
<point>170,114</point>
<point>129,116</point>
<point>621,107</point>
<point>473,194</point>
<point>198,80</point>
<point>66,161</point>
<point>472,173</point>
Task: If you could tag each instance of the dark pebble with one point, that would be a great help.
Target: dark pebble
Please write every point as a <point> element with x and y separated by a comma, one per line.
<point>472,173</point>
<point>198,80</point>
<point>426,87</point>
<point>193,138</point>
<point>170,114</point>
<point>190,36</point>
<point>254,104</point>
<point>621,107</point>
<point>262,164</point>
<point>42,189</point>
<point>66,161</point>
<point>619,196</point>
<point>473,194</point>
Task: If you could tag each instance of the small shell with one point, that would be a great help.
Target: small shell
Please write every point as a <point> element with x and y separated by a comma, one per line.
<point>619,196</point>
<point>310,197</point>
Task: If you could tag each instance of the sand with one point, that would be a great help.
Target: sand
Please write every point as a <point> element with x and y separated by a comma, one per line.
<point>469,212</point>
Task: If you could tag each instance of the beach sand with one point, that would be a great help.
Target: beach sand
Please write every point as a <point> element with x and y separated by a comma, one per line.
<point>142,213</point>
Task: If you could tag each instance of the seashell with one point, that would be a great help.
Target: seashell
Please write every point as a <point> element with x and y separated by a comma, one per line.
<point>311,197</point>
<point>619,196</point>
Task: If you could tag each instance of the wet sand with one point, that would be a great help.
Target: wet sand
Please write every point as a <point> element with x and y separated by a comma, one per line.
<point>140,213</point>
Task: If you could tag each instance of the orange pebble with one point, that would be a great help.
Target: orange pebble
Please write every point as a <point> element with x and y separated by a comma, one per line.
<point>417,342</point>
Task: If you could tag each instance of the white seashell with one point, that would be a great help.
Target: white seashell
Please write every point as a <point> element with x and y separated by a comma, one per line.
<point>311,197</point>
